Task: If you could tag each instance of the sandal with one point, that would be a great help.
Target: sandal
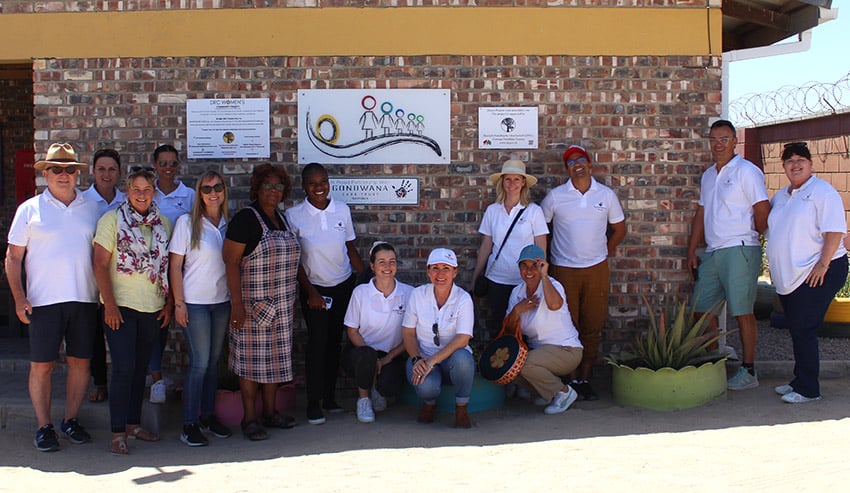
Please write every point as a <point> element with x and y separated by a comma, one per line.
<point>99,393</point>
<point>253,431</point>
<point>278,420</point>
<point>141,434</point>
<point>119,444</point>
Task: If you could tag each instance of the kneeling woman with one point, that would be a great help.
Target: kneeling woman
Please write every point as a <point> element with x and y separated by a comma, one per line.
<point>437,328</point>
<point>374,352</point>
<point>554,347</point>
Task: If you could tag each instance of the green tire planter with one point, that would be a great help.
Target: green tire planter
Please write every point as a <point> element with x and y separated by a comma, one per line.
<point>668,389</point>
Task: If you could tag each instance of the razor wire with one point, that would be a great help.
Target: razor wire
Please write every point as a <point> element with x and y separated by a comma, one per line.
<point>790,103</point>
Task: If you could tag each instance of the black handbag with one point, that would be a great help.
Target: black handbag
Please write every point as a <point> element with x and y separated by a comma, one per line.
<point>482,284</point>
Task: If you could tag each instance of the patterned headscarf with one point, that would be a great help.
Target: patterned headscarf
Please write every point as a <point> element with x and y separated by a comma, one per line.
<point>135,256</point>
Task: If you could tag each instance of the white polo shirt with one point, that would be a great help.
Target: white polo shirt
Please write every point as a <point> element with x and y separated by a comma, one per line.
<point>544,326</point>
<point>457,316</point>
<point>495,224</point>
<point>378,318</point>
<point>322,234</point>
<point>796,225</point>
<point>728,198</point>
<point>204,281</point>
<point>58,240</point>
<point>92,194</point>
<point>579,223</point>
<point>176,203</point>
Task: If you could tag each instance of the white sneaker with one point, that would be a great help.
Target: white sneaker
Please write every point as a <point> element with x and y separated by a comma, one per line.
<point>562,401</point>
<point>795,398</point>
<point>364,410</point>
<point>783,389</point>
<point>158,392</point>
<point>379,402</point>
<point>742,380</point>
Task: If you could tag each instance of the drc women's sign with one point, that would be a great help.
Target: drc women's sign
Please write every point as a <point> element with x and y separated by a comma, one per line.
<point>374,126</point>
<point>227,128</point>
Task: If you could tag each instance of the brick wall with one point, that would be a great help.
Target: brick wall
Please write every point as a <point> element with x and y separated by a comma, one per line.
<point>641,117</point>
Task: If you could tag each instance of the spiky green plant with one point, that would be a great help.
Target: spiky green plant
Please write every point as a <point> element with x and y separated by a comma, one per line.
<point>675,339</point>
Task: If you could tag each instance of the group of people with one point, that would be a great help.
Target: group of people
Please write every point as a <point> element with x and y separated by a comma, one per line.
<point>124,265</point>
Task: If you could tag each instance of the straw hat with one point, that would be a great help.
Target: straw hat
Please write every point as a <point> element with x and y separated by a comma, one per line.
<point>513,167</point>
<point>59,154</point>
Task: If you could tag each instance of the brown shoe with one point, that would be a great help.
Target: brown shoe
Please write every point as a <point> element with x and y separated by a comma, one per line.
<point>426,414</point>
<point>462,417</point>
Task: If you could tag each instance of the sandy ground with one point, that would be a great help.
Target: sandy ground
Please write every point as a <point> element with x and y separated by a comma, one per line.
<point>746,441</point>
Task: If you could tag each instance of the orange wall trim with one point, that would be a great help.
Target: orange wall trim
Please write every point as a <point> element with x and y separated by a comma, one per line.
<point>372,31</point>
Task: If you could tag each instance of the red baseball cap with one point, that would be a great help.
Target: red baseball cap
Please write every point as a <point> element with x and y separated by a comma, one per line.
<point>576,149</point>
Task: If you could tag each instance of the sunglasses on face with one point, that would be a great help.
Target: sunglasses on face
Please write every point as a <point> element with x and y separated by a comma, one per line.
<point>168,164</point>
<point>719,140</point>
<point>573,162</point>
<point>58,170</point>
<point>208,189</point>
<point>436,330</point>
<point>277,187</point>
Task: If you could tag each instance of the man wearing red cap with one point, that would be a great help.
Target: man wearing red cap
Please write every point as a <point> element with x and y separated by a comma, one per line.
<point>581,212</point>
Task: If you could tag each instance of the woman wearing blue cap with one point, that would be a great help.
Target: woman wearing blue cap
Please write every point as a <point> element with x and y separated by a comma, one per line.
<point>554,348</point>
<point>436,330</point>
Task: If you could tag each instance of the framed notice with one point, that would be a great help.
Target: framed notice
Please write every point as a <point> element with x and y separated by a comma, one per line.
<point>227,128</point>
<point>511,127</point>
<point>374,126</point>
<point>376,191</point>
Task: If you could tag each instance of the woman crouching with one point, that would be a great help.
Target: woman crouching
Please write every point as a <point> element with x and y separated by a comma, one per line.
<point>437,328</point>
<point>553,342</point>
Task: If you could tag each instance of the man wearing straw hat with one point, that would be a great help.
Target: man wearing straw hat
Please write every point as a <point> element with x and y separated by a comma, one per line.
<point>581,212</point>
<point>55,230</point>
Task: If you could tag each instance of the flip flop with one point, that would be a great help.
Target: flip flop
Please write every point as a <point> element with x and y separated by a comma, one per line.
<point>278,420</point>
<point>99,393</point>
<point>142,434</point>
<point>253,431</point>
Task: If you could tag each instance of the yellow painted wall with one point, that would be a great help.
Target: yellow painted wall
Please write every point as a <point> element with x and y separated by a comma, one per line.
<point>372,31</point>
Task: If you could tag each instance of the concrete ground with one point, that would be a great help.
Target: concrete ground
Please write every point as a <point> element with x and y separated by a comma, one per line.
<point>745,441</point>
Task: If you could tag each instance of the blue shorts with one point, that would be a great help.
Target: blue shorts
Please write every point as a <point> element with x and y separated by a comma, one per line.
<point>50,324</point>
<point>729,274</point>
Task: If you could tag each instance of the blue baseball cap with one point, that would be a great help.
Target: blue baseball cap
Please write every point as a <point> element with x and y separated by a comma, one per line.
<point>531,252</point>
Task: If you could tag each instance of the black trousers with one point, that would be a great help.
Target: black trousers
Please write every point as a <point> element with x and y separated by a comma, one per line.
<point>324,335</point>
<point>361,363</point>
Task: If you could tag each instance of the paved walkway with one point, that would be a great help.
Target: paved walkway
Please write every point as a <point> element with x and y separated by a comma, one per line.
<point>746,441</point>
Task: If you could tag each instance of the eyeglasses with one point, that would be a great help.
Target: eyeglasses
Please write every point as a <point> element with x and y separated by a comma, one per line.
<point>719,140</point>
<point>277,187</point>
<point>58,170</point>
<point>207,189</point>
<point>436,330</point>
<point>573,162</point>
<point>168,164</point>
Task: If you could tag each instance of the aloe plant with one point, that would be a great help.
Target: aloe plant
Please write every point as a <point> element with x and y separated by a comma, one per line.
<point>674,339</point>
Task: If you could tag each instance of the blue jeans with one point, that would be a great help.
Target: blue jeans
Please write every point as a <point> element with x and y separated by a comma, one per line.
<point>130,347</point>
<point>804,309</point>
<point>205,337</point>
<point>458,370</point>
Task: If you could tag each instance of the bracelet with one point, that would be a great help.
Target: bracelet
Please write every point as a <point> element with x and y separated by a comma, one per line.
<point>415,359</point>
